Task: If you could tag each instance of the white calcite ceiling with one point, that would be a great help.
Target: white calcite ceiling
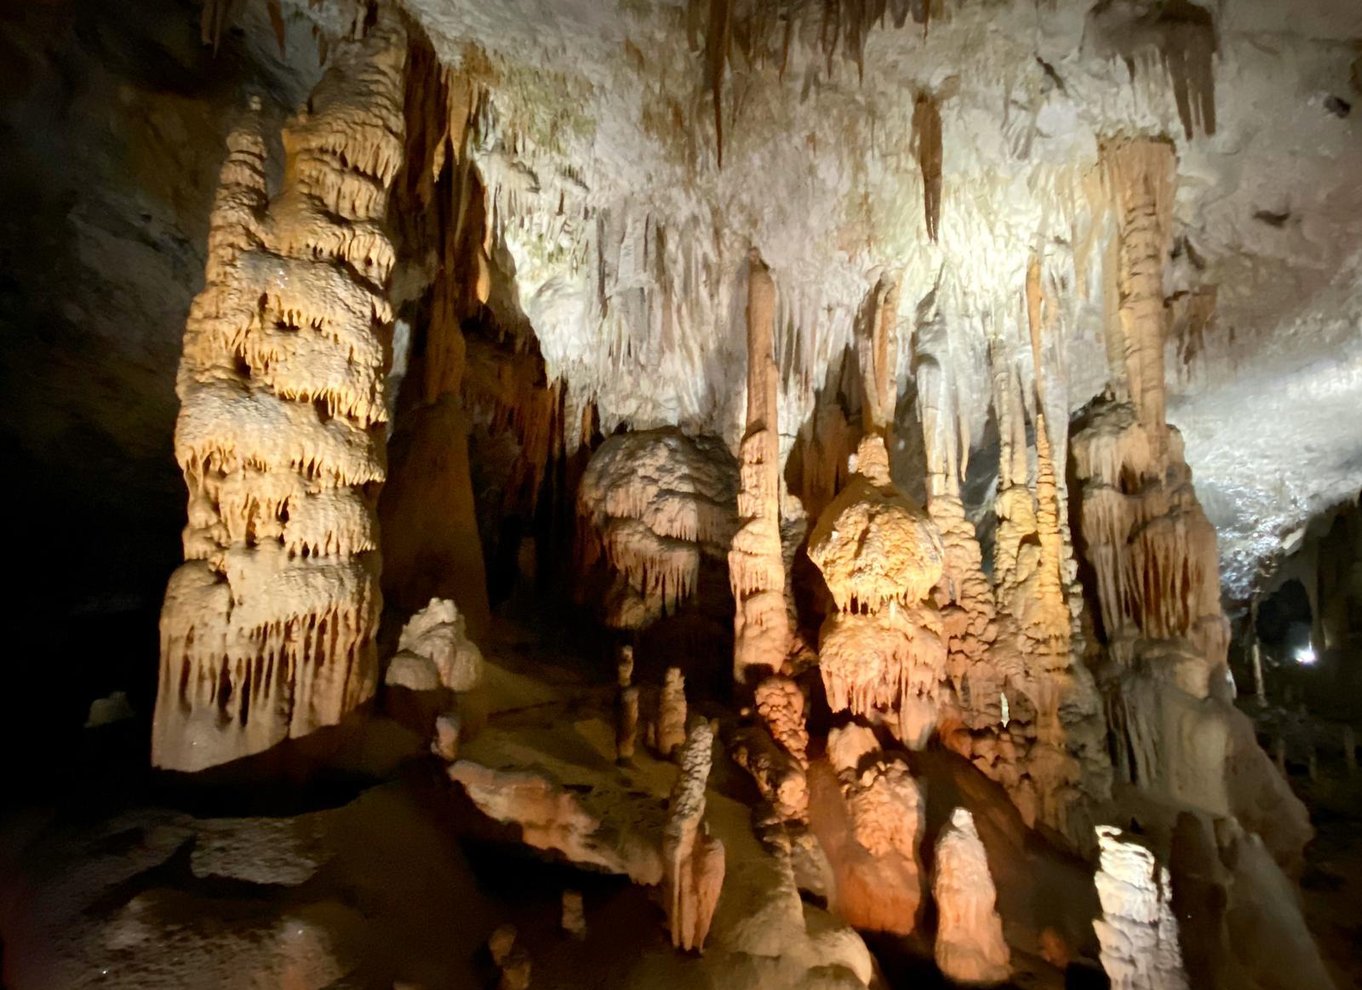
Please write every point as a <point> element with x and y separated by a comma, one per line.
<point>628,241</point>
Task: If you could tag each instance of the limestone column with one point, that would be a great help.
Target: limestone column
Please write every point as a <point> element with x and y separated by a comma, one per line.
<point>755,562</point>
<point>267,631</point>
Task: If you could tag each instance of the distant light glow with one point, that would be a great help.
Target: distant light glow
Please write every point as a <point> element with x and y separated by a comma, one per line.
<point>1305,656</point>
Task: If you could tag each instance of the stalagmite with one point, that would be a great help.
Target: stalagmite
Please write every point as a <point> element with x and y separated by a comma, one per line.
<point>756,563</point>
<point>574,914</point>
<point>969,933</point>
<point>693,860</point>
<point>438,635</point>
<point>869,821</point>
<point>626,706</point>
<point>1138,932</point>
<point>267,629</point>
<point>671,713</point>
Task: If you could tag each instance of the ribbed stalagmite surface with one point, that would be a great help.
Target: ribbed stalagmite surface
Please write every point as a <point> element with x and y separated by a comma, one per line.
<point>267,629</point>
<point>756,563</point>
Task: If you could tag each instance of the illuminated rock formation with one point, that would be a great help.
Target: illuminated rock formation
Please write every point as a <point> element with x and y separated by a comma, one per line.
<point>1153,551</point>
<point>553,817</point>
<point>1138,932</point>
<point>438,636</point>
<point>655,509</point>
<point>267,629</point>
<point>780,703</point>
<point>756,563</point>
<point>969,934</point>
<point>881,653</point>
<point>968,613</point>
<point>868,819</point>
<point>693,860</point>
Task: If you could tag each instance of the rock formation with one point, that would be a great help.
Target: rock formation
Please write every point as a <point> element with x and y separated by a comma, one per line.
<point>868,820</point>
<point>626,706</point>
<point>553,817</point>
<point>881,653</point>
<point>780,703</point>
<point>670,733</point>
<point>1153,551</point>
<point>756,563</point>
<point>778,775</point>
<point>693,860</point>
<point>436,639</point>
<point>655,509</point>
<point>1137,931</point>
<point>969,933</point>
<point>267,629</point>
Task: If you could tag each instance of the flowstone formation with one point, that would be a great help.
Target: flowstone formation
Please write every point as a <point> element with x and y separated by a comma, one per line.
<point>267,631</point>
<point>655,510</point>
<point>756,562</point>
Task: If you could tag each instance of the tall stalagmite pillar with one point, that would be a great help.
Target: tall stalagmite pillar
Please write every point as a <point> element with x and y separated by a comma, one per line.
<point>267,631</point>
<point>755,563</point>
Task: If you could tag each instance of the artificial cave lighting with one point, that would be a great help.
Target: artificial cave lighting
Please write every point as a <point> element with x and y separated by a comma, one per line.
<point>741,494</point>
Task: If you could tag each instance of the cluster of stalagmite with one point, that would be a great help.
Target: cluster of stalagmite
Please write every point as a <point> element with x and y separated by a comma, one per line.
<point>693,860</point>
<point>970,948</point>
<point>267,629</point>
<point>1138,931</point>
<point>655,509</point>
<point>756,561</point>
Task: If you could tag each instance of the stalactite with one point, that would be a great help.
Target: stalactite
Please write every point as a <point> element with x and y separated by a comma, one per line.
<point>927,148</point>
<point>756,562</point>
<point>1178,38</point>
<point>267,629</point>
